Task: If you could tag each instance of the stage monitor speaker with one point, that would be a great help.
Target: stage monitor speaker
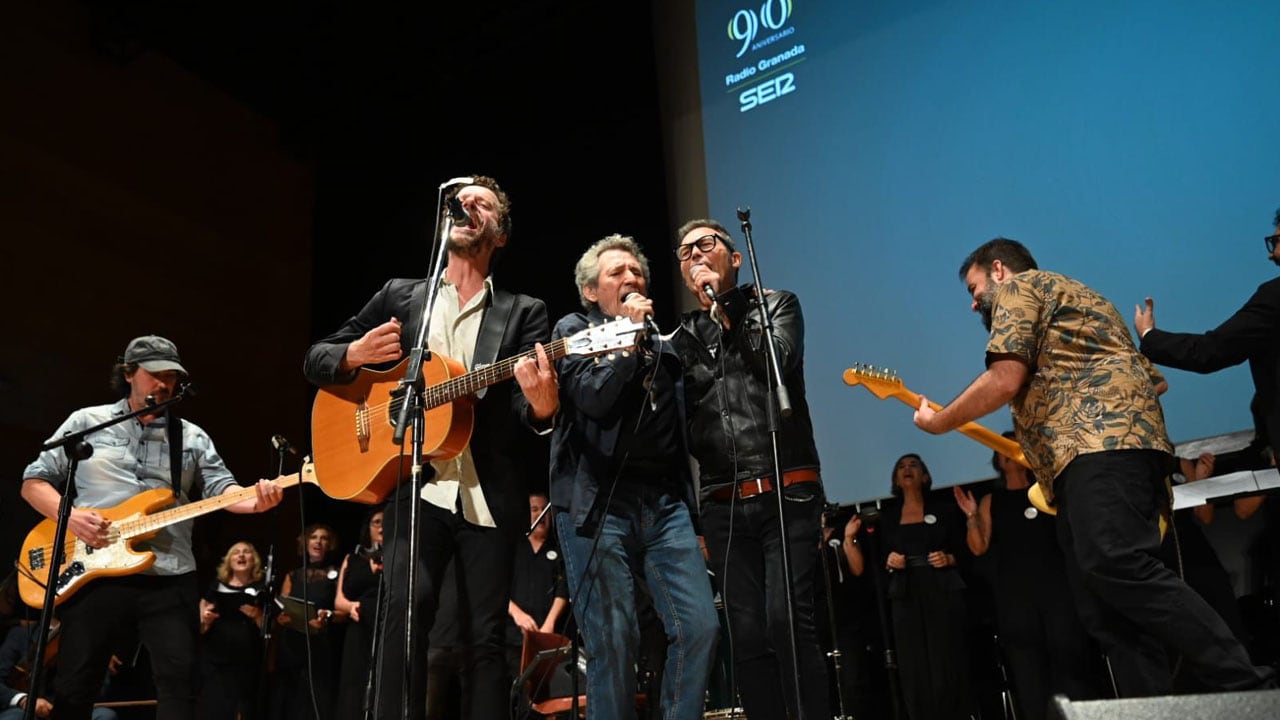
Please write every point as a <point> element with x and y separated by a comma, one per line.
<point>1251,705</point>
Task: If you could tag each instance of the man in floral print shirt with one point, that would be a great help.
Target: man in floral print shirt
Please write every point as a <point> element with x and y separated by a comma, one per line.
<point>1087,414</point>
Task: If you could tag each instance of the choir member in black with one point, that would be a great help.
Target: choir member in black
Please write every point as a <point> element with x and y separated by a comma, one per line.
<point>231,632</point>
<point>305,686</point>
<point>1188,550</point>
<point>358,598</point>
<point>926,594</point>
<point>539,594</point>
<point>1046,648</point>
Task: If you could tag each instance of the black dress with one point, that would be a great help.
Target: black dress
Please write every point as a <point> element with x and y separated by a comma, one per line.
<point>296,688</point>
<point>929,623</point>
<point>359,584</point>
<point>1045,645</point>
<point>231,656</point>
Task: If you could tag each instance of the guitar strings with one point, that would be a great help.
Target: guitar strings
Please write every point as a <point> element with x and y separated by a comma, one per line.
<point>465,384</point>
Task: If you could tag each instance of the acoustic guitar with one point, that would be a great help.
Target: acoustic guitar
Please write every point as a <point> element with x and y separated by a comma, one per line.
<point>352,425</point>
<point>132,521</point>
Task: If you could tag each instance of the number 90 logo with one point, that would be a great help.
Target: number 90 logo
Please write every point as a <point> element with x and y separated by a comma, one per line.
<point>745,24</point>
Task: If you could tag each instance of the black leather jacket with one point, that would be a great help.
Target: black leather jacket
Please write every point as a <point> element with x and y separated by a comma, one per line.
<point>726,388</point>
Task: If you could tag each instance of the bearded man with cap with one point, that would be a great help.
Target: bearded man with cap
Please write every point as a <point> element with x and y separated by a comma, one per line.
<point>159,603</point>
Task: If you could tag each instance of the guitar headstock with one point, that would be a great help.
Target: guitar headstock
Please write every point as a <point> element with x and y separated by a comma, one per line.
<point>881,382</point>
<point>600,339</point>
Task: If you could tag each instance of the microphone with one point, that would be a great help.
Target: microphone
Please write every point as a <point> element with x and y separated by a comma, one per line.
<point>709,291</point>
<point>460,216</point>
<point>281,444</point>
<point>648,317</point>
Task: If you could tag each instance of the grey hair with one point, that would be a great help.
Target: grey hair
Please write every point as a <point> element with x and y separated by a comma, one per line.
<point>587,271</point>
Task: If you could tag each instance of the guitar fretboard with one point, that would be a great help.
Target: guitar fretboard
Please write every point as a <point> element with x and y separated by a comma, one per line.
<point>469,383</point>
<point>165,518</point>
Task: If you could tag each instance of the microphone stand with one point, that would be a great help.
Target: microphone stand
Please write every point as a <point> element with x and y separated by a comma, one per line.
<point>835,654</point>
<point>778,405</point>
<point>267,621</point>
<point>74,445</point>
<point>411,410</point>
<point>875,564</point>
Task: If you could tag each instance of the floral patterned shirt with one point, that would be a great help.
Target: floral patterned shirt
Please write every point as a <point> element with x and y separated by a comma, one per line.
<point>1089,389</point>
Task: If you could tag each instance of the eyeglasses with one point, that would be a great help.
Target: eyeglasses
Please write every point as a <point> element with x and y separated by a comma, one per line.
<point>705,244</point>
<point>1270,240</point>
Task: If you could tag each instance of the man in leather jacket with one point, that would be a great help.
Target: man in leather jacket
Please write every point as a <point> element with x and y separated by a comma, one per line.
<point>727,390</point>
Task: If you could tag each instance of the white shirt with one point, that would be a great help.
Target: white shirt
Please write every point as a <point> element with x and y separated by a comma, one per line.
<point>454,331</point>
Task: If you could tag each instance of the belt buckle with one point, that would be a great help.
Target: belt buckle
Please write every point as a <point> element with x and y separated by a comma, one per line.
<point>759,486</point>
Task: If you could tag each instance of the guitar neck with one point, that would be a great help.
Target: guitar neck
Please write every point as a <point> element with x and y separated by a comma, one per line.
<point>156,521</point>
<point>973,430</point>
<point>480,378</point>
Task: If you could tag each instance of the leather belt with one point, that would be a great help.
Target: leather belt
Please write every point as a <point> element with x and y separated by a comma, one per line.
<point>758,486</point>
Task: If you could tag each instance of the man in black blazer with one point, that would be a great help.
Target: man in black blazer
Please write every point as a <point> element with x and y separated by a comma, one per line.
<point>476,505</point>
<point>1252,333</point>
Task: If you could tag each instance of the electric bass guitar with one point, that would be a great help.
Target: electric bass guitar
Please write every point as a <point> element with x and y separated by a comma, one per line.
<point>352,425</point>
<point>133,520</point>
<point>886,384</point>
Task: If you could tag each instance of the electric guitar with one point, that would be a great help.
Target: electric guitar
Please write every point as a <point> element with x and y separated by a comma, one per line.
<point>133,520</point>
<point>352,425</point>
<point>886,384</point>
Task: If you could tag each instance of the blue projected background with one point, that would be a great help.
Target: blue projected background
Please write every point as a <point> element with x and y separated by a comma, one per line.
<point>1134,146</point>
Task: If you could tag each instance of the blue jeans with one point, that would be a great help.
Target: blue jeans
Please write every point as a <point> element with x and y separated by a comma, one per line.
<point>645,534</point>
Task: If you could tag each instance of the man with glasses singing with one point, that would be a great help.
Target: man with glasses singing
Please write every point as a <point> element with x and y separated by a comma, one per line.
<point>726,389</point>
<point>1252,333</point>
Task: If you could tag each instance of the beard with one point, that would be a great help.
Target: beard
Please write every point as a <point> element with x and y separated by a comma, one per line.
<point>473,245</point>
<point>986,302</point>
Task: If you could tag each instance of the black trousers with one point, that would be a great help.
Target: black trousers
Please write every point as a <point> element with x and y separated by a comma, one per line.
<point>1108,508</point>
<point>485,557</point>
<point>101,617</point>
<point>746,554</point>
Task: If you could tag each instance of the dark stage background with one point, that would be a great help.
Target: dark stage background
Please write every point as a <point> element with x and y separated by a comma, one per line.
<point>240,177</point>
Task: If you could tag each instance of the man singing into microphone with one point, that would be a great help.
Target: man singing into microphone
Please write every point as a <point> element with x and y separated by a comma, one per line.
<point>623,492</point>
<point>475,506</point>
<point>159,603</point>
<point>727,385</point>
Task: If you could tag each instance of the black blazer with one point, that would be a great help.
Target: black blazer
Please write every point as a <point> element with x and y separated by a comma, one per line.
<point>1252,333</point>
<point>512,323</point>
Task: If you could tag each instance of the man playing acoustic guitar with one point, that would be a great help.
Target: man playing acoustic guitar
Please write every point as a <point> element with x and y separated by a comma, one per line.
<point>129,458</point>
<point>475,505</point>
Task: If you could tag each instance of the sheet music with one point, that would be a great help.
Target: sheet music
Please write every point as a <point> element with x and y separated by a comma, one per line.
<point>1244,482</point>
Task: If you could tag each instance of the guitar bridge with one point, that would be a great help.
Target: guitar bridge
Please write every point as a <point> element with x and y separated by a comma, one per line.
<point>35,558</point>
<point>362,424</point>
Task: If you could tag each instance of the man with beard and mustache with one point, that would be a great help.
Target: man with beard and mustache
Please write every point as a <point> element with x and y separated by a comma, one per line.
<point>476,505</point>
<point>158,603</point>
<point>1252,333</point>
<point>1087,413</point>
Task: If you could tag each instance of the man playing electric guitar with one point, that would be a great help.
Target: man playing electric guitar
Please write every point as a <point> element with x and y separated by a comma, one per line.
<point>476,505</point>
<point>129,458</point>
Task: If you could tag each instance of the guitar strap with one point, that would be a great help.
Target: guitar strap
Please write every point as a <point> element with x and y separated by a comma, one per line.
<point>492,327</point>
<point>173,426</point>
